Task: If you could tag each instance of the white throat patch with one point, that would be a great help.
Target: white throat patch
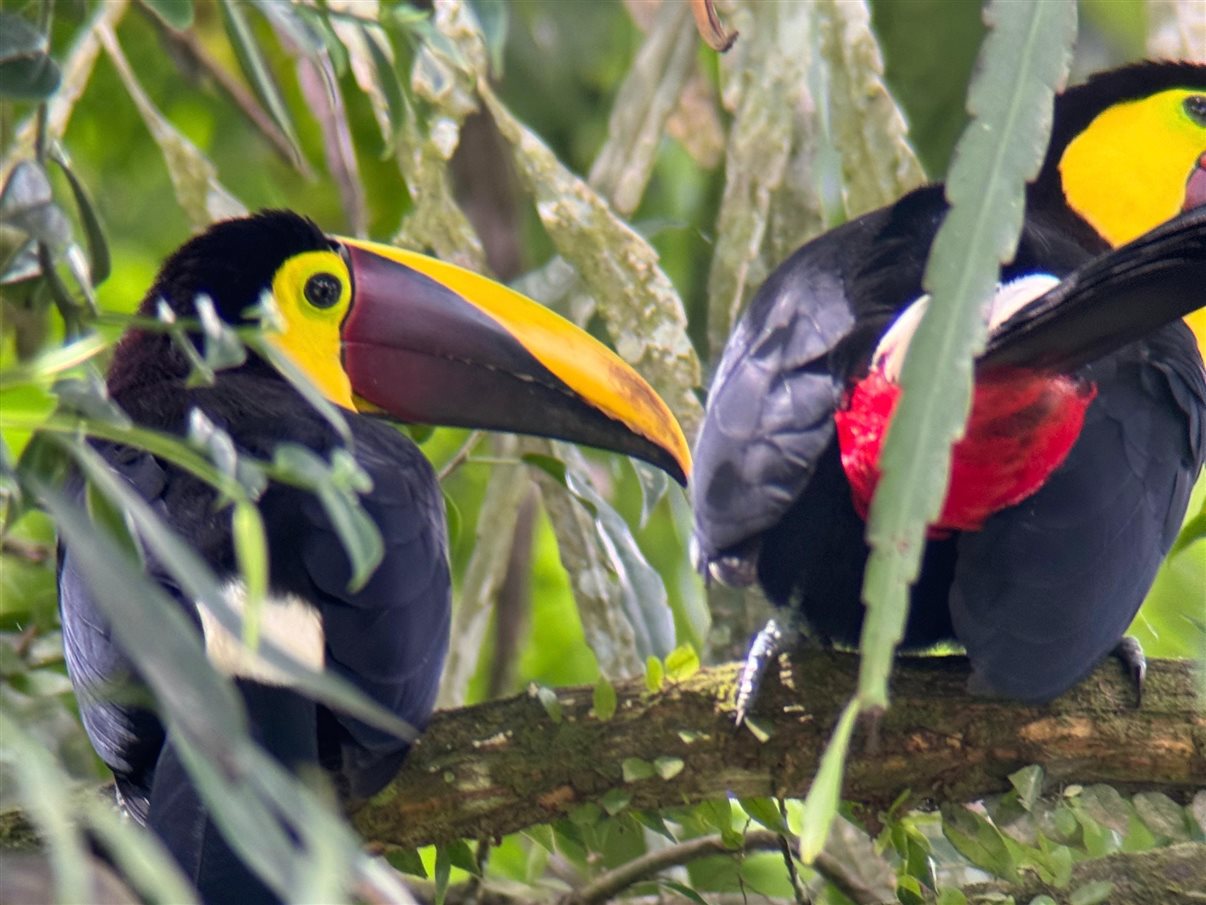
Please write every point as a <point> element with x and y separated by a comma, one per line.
<point>1006,302</point>
<point>288,622</point>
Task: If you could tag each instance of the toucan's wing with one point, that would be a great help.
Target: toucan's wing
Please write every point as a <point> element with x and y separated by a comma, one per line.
<point>388,638</point>
<point>128,737</point>
<point>770,407</point>
<point>1045,589</point>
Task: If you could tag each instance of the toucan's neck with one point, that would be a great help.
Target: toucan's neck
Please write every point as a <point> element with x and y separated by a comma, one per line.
<point>149,378</point>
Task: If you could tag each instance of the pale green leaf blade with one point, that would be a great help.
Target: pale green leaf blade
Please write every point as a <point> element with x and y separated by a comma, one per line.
<point>1023,60</point>
<point>255,67</point>
<point>825,793</point>
<point>177,14</point>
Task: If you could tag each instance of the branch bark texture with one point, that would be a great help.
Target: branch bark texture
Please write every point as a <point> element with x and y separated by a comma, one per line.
<point>496,768</point>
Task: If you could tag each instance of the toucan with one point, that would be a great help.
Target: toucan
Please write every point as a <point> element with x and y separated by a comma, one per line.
<point>386,335</point>
<point>1088,421</point>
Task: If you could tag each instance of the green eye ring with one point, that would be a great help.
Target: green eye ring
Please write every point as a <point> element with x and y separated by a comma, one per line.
<point>323,290</point>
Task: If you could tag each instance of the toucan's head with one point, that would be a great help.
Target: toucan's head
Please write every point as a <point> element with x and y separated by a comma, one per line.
<point>1128,152</point>
<point>386,331</point>
<point>1128,147</point>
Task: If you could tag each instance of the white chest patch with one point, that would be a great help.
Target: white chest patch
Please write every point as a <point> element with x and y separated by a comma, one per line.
<point>1006,302</point>
<point>288,622</point>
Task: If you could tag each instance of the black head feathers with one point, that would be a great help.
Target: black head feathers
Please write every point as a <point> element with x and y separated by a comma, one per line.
<point>232,262</point>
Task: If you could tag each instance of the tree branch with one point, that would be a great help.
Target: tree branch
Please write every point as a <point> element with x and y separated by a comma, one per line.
<point>498,767</point>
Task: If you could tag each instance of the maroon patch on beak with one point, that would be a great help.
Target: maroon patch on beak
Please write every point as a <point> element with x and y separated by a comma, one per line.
<point>1195,188</point>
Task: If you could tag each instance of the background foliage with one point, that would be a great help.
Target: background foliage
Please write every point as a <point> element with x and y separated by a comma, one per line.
<point>620,171</point>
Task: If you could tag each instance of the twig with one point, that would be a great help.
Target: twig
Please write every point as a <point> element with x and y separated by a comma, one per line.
<point>459,456</point>
<point>189,45</point>
<point>603,887</point>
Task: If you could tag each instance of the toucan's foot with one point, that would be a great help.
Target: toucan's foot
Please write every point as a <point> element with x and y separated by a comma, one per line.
<point>773,640</point>
<point>1130,652</point>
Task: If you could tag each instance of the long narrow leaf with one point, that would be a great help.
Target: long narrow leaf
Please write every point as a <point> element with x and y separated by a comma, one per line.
<point>50,805</point>
<point>1024,59</point>
<point>255,67</point>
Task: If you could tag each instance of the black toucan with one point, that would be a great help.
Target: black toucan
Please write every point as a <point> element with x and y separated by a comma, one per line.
<point>1088,426</point>
<point>384,334</point>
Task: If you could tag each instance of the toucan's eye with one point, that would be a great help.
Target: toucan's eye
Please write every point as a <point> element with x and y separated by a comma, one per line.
<point>323,290</point>
<point>1195,108</point>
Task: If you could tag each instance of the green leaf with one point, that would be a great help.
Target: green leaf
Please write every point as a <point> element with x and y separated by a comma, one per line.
<point>1091,893</point>
<point>550,465</point>
<point>19,39</point>
<point>1163,816</point>
<point>114,522</point>
<point>614,801</point>
<point>634,769</point>
<point>1106,806</point>
<point>604,699</point>
<point>549,701</point>
<point>177,14</point>
<point>654,821</point>
<point>821,803</point>
<point>717,813</point>
<point>407,860</point>
<point>909,891</point>
<point>493,16</point>
<point>584,815</point>
<point>543,835</point>
<point>443,872</point>
<point>1192,531</point>
<point>979,841</point>
<point>99,263</point>
<point>685,891</point>
<point>655,674</point>
<point>1022,62</point>
<point>138,856</point>
<point>22,409</point>
<point>27,203</point>
<point>460,855</point>
<point>668,767</point>
<point>255,67</point>
<point>251,552</point>
<point>146,622</point>
<point>682,663</point>
<point>766,812</point>
<point>953,895</point>
<point>386,81</point>
<point>49,805</point>
<point>27,73</point>
<point>1028,782</point>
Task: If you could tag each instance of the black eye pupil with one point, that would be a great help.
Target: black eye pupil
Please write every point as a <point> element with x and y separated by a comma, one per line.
<point>1195,107</point>
<point>323,290</point>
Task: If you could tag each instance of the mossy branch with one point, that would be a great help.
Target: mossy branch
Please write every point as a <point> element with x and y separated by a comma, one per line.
<point>495,768</point>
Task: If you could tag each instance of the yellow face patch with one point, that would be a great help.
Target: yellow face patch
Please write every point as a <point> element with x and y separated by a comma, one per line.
<point>1126,173</point>
<point>312,292</point>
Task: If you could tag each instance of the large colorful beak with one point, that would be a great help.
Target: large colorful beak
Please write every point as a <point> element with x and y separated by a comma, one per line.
<point>1195,186</point>
<point>429,342</point>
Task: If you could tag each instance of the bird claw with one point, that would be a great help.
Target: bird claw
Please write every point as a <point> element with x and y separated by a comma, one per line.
<point>1130,652</point>
<point>764,649</point>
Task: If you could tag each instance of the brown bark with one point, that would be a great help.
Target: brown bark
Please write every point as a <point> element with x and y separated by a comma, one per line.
<point>495,768</point>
